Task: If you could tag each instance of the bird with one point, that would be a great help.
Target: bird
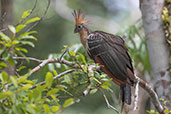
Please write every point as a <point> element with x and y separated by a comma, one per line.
<point>110,52</point>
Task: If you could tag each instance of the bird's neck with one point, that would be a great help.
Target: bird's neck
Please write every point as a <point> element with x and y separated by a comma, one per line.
<point>84,35</point>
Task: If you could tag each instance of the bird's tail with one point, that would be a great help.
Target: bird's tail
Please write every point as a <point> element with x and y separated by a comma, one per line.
<point>125,93</point>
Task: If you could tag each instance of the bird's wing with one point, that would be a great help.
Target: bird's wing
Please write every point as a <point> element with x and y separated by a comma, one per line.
<point>112,51</point>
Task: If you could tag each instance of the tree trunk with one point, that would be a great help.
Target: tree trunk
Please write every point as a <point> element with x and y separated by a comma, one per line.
<point>7,19</point>
<point>156,44</point>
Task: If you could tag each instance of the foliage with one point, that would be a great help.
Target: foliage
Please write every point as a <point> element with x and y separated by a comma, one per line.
<point>166,16</point>
<point>165,104</point>
<point>19,94</point>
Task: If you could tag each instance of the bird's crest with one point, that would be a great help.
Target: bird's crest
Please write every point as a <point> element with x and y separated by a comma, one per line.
<point>79,18</point>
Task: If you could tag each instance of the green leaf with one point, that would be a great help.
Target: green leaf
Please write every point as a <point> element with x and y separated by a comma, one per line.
<point>52,91</point>
<point>49,79</point>
<point>67,78</point>
<point>5,37</point>
<point>54,98</point>
<point>83,58</point>
<point>21,68</point>
<point>93,91</point>
<point>4,76</point>
<point>32,20</point>
<point>14,42</point>
<point>68,102</point>
<point>14,81</point>
<point>104,86</point>
<point>72,53</point>
<point>46,108</point>
<point>12,29</point>
<point>22,79</point>
<point>28,43</point>
<point>55,108</point>
<point>26,37</point>
<point>26,87</point>
<point>21,49</point>
<point>25,14</point>
<point>28,33</point>
<point>5,94</point>
<point>36,94</point>
<point>19,28</point>
<point>3,65</point>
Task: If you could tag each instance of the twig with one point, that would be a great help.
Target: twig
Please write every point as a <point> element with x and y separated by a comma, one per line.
<point>63,54</point>
<point>87,90</point>
<point>136,95</point>
<point>35,4</point>
<point>110,106</point>
<point>29,58</point>
<point>56,77</point>
<point>41,18</point>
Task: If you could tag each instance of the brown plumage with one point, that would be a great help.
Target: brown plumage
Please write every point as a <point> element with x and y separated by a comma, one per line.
<point>109,51</point>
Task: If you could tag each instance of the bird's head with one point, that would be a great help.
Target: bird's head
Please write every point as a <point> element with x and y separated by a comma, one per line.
<point>80,21</point>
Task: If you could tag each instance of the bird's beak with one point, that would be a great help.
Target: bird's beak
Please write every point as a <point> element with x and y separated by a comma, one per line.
<point>75,30</point>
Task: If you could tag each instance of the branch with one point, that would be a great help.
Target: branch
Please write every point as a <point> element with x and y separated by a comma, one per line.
<point>139,81</point>
<point>87,90</point>
<point>136,95</point>
<point>147,87</point>
<point>56,77</point>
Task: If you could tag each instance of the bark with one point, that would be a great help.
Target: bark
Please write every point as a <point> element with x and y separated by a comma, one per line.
<point>7,19</point>
<point>156,44</point>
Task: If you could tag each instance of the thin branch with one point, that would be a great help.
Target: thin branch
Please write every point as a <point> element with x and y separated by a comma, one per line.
<point>41,18</point>
<point>28,58</point>
<point>35,4</point>
<point>110,106</point>
<point>56,77</point>
<point>136,95</point>
<point>87,90</point>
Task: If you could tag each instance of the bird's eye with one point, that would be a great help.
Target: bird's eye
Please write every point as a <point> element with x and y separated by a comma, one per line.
<point>79,27</point>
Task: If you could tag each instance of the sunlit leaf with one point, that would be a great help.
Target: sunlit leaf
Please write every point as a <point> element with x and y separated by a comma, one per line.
<point>52,91</point>
<point>4,76</point>
<point>14,81</point>
<point>12,29</point>
<point>26,87</point>
<point>21,79</point>
<point>25,14</point>
<point>21,49</point>
<point>5,94</point>
<point>5,37</point>
<point>49,79</point>
<point>72,53</point>
<point>83,58</point>
<point>46,108</point>
<point>32,20</point>
<point>26,37</point>
<point>28,43</point>
<point>55,108</point>
<point>19,28</point>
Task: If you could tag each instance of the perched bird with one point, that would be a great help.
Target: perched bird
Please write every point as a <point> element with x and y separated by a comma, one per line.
<point>110,52</point>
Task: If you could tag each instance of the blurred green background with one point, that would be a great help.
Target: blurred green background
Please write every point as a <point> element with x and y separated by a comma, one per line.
<point>57,27</point>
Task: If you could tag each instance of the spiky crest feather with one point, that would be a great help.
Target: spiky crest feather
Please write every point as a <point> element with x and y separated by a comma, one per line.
<point>79,18</point>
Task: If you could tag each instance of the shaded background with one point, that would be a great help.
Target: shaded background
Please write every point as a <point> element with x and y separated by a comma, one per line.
<point>57,27</point>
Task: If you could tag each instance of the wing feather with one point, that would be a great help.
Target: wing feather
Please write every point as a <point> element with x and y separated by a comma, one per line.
<point>112,51</point>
